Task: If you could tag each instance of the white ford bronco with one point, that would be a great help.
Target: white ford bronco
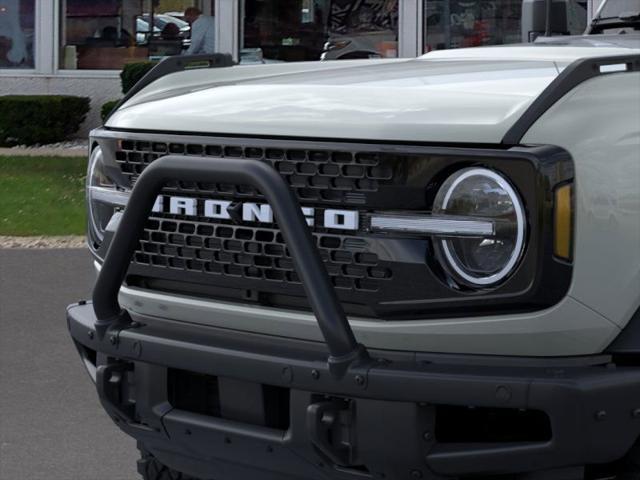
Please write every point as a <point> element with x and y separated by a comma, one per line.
<point>374,269</point>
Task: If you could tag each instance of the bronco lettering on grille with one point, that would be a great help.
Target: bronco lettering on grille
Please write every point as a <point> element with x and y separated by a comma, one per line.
<point>250,212</point>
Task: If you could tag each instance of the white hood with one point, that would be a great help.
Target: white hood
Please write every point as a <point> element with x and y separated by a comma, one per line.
<point>470,96</point>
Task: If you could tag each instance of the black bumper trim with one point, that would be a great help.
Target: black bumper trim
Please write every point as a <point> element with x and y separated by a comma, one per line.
<point>593,406</point>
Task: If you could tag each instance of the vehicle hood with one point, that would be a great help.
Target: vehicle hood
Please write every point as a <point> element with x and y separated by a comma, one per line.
<point>469,95</point>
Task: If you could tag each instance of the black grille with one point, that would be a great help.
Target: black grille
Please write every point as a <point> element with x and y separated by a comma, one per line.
<point>221,249</point>
<point>314,175</point>
<point>255,253</point>
<point>387,276</point>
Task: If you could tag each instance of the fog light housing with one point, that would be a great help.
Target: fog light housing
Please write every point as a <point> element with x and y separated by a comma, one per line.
<point>482,260</point>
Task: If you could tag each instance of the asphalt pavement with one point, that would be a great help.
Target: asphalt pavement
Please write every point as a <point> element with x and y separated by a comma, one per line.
<point>52,426</point>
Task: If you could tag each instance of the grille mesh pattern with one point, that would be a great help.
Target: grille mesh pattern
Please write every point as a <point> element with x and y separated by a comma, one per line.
<point>314,175</point>
<point>255,253</point>
<point>223,250</point>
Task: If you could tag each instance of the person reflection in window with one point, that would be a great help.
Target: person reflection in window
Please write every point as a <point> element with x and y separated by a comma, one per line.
<point>171,31</point>
<point>109,35</point>
<point>170,42</point>
<point>202,32</point>
<point>12,34</point>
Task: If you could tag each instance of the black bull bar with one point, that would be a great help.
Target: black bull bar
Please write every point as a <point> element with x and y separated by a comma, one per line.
<point>593,406</point>
<point>337,333</point>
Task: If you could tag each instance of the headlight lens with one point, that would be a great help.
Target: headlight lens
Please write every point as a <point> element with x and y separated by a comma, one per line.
<point>104,197</point>
<point>481,261</point>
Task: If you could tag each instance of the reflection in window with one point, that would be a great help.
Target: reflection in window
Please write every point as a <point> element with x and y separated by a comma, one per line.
<point>613,8</point>
<point>471,23</point>
<point>17,33</point>
<point>576,17</point>
<point>297,30</point>
<point>107,34</point>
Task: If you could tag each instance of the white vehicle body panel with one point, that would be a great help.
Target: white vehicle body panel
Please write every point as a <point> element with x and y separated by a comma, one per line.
<point>449,96</point>
<point>599,124</point>
<point>569,328</point>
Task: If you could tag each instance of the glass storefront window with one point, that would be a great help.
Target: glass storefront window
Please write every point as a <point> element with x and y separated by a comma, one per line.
<point>300,30</point>
<point>473,23</point>
<point>107,34</point>
<point>17,20</point>
<point>464,23</point>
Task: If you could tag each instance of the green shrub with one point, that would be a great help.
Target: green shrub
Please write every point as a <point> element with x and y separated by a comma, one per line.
<point>32,119</point>
<point>107,108</point>
<point>133,72</point>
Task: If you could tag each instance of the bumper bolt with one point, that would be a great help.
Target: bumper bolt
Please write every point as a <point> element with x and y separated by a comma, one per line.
<point>635,413</point>
<point>601,415</point>
<point>503,393</point>
<point>287,374</point>
<point>416,474</point>
<point>315,374</point>
<point>112,339</point>
<point>90,334</point>
<point>427,436</point>
<point>359,380</point>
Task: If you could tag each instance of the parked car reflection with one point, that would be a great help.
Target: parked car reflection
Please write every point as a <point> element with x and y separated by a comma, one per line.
<point>164,27</point>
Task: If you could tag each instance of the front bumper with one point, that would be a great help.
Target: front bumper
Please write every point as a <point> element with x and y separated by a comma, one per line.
<point>390,411</point>
<point>225,404</point>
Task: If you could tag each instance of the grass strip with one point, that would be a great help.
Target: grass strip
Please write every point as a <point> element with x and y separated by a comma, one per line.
<point>42,196</point>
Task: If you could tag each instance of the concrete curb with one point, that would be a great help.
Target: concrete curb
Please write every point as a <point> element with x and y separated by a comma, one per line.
<point>44,152</point>
<point>66,241</point>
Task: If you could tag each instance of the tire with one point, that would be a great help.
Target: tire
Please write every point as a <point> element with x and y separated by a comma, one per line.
<point>152,469</point>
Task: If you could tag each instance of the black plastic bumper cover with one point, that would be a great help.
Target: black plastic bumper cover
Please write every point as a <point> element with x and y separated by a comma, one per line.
<point>594,409</point>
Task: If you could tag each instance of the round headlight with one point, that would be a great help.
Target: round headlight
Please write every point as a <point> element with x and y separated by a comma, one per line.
<point>481,261</point>
<point>103,196</point>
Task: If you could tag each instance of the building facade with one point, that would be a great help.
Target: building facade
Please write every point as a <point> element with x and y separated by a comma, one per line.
<point>79,47</point>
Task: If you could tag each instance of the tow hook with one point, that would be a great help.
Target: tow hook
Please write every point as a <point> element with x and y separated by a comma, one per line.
<point>330,424</point>
<point>110,381</point>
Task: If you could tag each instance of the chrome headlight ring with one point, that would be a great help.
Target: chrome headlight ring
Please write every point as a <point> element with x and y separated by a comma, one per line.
<point>481,261</point>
